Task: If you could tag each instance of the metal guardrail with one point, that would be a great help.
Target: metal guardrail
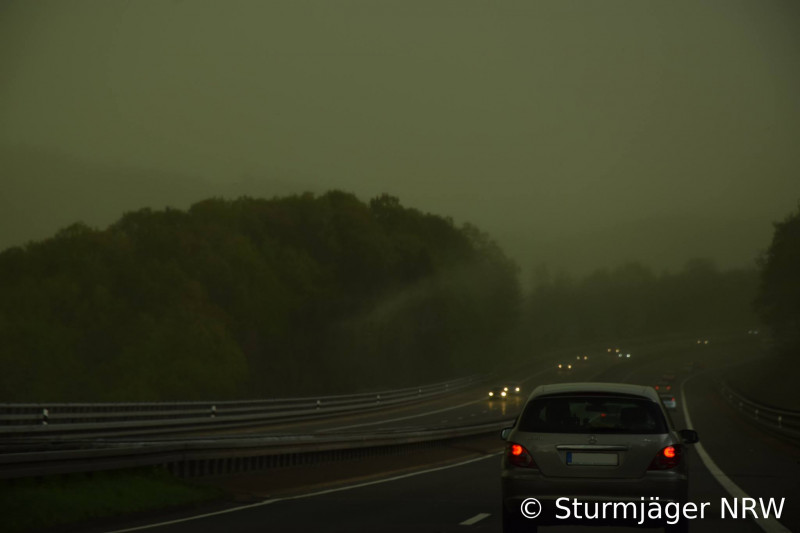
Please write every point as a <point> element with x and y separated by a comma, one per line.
<point>82,420</point>
<point>221,456</point>
<point>782,421</point>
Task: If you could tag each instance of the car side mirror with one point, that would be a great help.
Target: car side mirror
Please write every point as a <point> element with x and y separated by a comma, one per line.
<point>689,436</point>
<point>505,433</point>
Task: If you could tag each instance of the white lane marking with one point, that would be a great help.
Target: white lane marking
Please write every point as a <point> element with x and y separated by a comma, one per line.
<point>770,525</point>
<point>477,518</point>
<point>310,494</point>
<point>401,418</point>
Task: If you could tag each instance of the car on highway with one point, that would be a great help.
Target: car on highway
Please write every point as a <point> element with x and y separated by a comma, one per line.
<point>669,401</point>
<point>499,392</point>
<point>663,386</point>
<point>513,388</point>
<point>564,367</point>
<point>594,442</point>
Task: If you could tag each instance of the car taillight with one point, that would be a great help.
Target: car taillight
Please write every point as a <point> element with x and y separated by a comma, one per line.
<point>519,456</point>
<point>667,457</point>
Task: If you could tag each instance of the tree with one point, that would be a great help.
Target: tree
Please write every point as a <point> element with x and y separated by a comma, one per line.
<point>778,300</point>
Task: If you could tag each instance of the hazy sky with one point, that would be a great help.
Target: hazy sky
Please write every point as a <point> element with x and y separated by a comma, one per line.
<point>578,133</point>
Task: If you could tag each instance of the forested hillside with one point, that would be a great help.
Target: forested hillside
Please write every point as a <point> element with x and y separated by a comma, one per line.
<point>251,298</point>
<point>632,300</point>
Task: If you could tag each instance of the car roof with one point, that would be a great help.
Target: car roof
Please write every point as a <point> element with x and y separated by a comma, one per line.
<point>612,388</point>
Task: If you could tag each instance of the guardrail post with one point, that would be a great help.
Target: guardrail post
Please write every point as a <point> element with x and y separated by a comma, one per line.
<point>780,421</point>
<point>45,415</point>
<point>378,400</point>
<point>756,412</point>
<point>319,404</point>
<point>213,411</point>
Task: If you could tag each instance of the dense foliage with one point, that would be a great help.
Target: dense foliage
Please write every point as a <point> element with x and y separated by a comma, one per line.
<point>778,299</point>
<point>251,298</point>
<point>633,301</point>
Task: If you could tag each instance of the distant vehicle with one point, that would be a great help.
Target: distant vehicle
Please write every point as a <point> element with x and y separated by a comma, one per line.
<point>702,341</point>
<point>593,442</point>
<point>624,355</point>
<point>752,332</point>
<point>513,388</point>
<point>663,386</point>
<point>563,367</point>
<point>669,401</point>
<point>498,393</point>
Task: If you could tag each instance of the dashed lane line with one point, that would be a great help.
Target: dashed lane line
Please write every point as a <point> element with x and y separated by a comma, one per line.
<point>477,518</point>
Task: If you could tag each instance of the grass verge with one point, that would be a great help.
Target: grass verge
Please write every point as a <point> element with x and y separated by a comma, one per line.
<point>33,504</point>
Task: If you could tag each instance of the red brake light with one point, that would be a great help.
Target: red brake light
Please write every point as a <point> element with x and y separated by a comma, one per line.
<point>668,457</point>
<point>519,456</point>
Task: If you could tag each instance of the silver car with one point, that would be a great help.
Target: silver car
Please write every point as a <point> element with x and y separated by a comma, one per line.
<point>592,443</point>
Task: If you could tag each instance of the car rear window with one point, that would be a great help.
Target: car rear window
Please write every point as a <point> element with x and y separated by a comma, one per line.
<point>592,414</point>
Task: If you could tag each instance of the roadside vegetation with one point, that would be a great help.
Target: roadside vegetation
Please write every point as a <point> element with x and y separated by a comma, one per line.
<point>251,298</point>
<point>633,301</point>
<point>34,504</point>
<point>306,294</point>
<point>778,301</point>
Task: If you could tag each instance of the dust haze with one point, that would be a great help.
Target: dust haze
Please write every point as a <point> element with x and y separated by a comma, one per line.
<point>577,134</point>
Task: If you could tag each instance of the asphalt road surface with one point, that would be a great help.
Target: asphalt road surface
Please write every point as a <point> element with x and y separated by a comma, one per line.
<point>465,497</point>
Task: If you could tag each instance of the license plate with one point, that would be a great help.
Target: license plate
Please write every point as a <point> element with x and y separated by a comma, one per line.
<point>592,459</point>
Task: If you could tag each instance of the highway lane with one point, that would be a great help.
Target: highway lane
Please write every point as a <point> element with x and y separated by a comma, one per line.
<point>446,499</point>
<point>459,408</point>
<point>762,465</point>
